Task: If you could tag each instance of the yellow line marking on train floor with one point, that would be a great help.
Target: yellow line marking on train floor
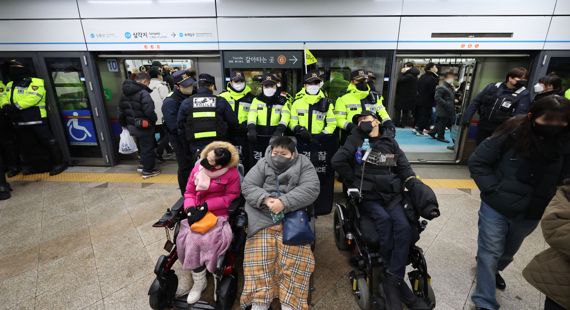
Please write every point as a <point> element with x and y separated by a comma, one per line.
<point>169,178</point>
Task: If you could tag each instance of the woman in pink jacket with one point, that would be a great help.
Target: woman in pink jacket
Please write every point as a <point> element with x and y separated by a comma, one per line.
<point>213,184</point>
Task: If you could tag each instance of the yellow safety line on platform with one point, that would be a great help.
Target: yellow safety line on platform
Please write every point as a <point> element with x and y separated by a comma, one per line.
<point>99,177</point>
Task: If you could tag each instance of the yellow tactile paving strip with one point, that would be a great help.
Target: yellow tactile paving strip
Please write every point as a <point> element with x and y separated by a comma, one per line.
<point>98,177</point>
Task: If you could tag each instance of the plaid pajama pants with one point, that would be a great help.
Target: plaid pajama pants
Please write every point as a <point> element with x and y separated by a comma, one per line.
<point>274,270</point>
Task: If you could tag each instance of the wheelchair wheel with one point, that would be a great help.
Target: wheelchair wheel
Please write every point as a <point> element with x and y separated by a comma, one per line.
<point>362,293</point>
<point>162,291</point>
<point>227,291</point>
<point>339,234</point>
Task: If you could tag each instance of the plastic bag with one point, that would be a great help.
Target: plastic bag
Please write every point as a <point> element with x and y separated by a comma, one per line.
<point>127,144</point>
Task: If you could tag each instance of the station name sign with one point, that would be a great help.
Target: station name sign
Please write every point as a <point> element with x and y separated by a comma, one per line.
<point>263,59</point>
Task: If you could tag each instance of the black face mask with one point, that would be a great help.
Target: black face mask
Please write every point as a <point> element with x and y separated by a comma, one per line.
<point>521,83</point>
<point>372,86</point>
<point>366,127</point>
<point>18,73</point>
<point>362,86</point>
<point>548,131</point>
<point>204,162</point>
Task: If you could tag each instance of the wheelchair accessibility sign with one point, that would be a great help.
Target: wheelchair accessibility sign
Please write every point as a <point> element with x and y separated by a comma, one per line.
<point>79,127</point>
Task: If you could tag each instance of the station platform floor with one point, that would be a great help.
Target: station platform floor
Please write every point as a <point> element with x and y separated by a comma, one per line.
<point>84,240</point>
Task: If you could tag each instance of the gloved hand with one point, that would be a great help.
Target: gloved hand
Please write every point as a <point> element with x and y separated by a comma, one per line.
<point>8,108</point>
<point>303,134</point>
<point>349,128</point>
<point>423,199</point>
<point>251,134</point>
<point>194,214</point>
<point>279,131</point>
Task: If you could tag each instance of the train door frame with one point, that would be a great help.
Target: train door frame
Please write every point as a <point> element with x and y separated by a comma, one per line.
<point>54,116</point>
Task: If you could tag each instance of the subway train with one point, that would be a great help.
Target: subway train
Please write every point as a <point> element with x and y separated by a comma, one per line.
<point>84,49</point>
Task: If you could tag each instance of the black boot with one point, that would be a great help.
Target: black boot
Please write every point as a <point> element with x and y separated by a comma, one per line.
<point>392,294</point>
<point>57,158</point>
<point>406,294</point>
<point>5,191</point>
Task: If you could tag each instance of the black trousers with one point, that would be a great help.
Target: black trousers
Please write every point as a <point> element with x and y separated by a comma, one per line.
<point>423,118</point>
<point>403,117</point>
<point>440,124</point>
<point>163,141</point>
<point>146,151</point>
<point>184,163</point>
<point>43,135</point>
<point>8,145</point>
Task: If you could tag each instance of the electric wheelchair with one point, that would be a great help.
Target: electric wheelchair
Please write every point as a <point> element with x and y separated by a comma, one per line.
<point>357,234</point>
<point>162,292</point>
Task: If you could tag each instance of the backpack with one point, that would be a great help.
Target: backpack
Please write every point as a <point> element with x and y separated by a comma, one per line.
<point>497,109</point>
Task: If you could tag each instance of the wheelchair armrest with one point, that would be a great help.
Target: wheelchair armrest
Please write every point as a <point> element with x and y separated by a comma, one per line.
<point>236,205</point>
<point>172,215</point>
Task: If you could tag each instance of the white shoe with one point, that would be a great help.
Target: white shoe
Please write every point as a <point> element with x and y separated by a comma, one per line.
<point>184,281</point>
<point>198,287</point>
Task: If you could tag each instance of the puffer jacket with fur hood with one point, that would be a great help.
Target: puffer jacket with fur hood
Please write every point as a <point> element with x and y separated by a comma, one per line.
<point>223,189</point>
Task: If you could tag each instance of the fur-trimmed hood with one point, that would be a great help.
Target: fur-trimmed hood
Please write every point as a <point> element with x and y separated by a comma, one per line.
<point>226,145</point>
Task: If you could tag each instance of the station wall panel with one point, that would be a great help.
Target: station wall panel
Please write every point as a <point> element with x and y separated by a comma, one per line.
<point>248,8</point>
<point>308,32</point>
<point>42,35</point>
<point>146,8</point>
<point>35,9</point>
<point>151,34</point>
<point>478,7</point>
<point>562,7</point>
<point>558,34</point>
<point>528,32</point>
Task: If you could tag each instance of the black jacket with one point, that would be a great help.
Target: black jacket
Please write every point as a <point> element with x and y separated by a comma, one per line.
<point>445,101</point>
<point>513,184</point>
<point>170,107</point>
<point>545,94</point>
<point>223,111</point>
<point>426,89</point>
<point>379,183</point>
<point>407,89</point>
<point>136,102</point>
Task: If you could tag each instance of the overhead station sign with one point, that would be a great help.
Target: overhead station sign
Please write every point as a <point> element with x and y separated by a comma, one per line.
<point>263,59</point>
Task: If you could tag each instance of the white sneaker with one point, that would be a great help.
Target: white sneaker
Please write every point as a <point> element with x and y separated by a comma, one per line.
<point>198,287</point>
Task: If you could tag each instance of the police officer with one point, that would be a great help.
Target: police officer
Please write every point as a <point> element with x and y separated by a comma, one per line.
<point>183,88</point>
<point>269,113</point>
<point>205,117</point>
<point>312,113</point>
<point>8,148</point>
<point>358,98</point>
<point>239,96</point>
<point>27,101</point>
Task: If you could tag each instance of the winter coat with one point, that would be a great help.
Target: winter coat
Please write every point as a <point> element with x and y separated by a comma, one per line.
<point>223,190</point>
<point>513,184</point>
<point>299,187</point>
<point>445,101</point>
<point>136,103</point>
<point>170,108</point>
<point>159,93</point>
<point>407,90</point>
<point>426,89</point>
<point>549,271</point>
<point>380,183</point>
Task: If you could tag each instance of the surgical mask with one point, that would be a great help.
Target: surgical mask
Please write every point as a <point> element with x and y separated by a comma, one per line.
<point>18,73</point>
<point>313,89</point>
<point>538,88</point>
<point>449,81</point>
<point>366,127</point>
<point>548,131</point>
<point>321,84</point>
<point>238,86</point>
<point>520,83</point>
<point>278,84</point>
<point>404,69</point>
<point>362,86</point>
<point>280,162</point>
<point>186,90</point>
<point>269,91</point>
<point>206,164</point>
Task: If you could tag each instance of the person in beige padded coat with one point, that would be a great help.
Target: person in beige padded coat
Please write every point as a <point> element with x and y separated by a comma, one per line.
<point>549,271</point>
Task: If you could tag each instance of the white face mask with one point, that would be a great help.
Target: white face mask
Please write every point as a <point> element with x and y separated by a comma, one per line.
<point>449,81</point>
<point>313,89</point>
<point>239,86</point>
<point>278,84</point>
<point>269,91</point>
<point>404,69</point>
<point>538,88</point>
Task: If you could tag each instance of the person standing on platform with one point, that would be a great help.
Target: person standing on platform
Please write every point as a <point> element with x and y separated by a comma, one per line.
<point>183,88</point>
<point>445,107</point>
<point>406,95</point>
<point>269,113</point>
<point>27,105</point>
<point>498,102</point>
<point>204,118</point>
<point>159,91</point>
<point>137,113</point>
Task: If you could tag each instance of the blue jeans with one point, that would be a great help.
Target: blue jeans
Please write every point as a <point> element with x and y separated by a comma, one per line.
<point>498,241</point>
<point>394,231</point>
